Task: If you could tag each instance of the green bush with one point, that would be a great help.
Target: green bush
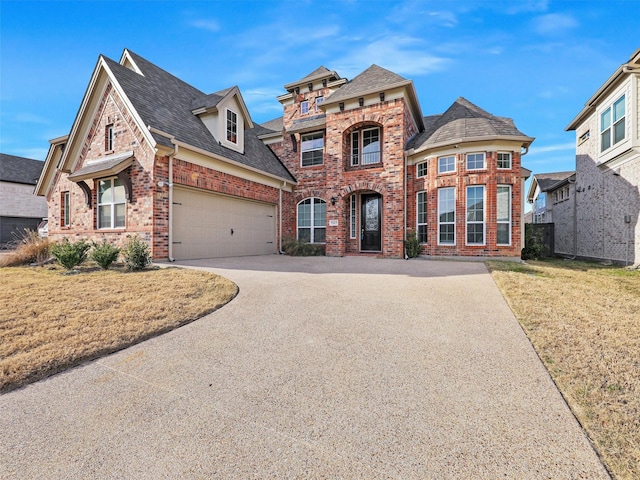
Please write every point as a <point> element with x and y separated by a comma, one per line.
<point>534,248</point>
<point>412,245</point>
<point>69,254</point>
<point>104,254</point>
<point>136,253</point>
<point>298,248</point>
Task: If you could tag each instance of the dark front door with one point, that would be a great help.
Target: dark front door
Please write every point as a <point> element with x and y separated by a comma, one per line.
<point>371,222</point>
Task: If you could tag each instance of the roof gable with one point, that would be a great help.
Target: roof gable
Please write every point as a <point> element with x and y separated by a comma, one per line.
<point>371,80</point>
<point>319,73</point>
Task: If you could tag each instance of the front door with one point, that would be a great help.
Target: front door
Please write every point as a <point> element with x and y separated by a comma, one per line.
<point>371,222</point>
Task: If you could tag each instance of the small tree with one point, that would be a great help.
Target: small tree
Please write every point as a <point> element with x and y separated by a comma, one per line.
<point>136,253</point>
<point>104,254</point>
<point>412,245</point>
<point>69,254</point>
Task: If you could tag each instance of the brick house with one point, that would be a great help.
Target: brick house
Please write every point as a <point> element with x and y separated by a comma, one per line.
<point>608,169</point>
<point>19,208</point>
<point>352,165</point>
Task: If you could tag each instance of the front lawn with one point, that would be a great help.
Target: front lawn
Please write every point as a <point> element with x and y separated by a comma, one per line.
<point>50,321</point>
<point>584,321</point>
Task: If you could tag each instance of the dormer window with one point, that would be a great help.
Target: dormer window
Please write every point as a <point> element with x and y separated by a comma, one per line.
<point>108,137</point>
<point>232,126</point>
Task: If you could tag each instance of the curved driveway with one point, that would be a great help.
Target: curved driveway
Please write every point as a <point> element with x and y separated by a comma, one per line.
<point>320,368</point>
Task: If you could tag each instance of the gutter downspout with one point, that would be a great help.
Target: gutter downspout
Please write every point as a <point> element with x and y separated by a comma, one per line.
<point>404,210</point>
<point>175,152</point>
<point>575,219</point>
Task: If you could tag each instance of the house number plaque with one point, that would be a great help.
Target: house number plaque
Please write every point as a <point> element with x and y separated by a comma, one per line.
<point>333,223</point>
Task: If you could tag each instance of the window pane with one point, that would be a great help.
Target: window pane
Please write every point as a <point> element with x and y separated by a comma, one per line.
<point>618,109</point>
<point>475,233</point>
<point>446,164</point>
<point>618,131</point>
<point>304,234</point>
<point>504,200</point>
<point>304,106</point>
<point>104,216</point>
<point>504,160</point>
<point>118,191</point>
<point>422,207</point>
<point>422,169</point>
<point>605,120</point>
<point>605,140</point>
<point>304,214</point>
<point>503,233</point>
<point>475,161</point>
<point>104,191</point>
<point>422,233</point>
<point>447,233</point>
<point>370,147</point>
<point>475,204</point>
<point>120,214</point>
<point>319,235</point>
<point>319,213</point>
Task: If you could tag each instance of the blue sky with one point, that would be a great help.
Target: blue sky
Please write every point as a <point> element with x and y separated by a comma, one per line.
<point>536,61</point>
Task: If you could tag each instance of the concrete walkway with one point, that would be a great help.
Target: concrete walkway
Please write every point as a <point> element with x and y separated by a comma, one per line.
<point>320,368</point>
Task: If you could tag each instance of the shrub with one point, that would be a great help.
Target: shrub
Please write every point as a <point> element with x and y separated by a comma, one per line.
<point>104,254</point>
<point>29,248</point>
<point>412,245</point>
<point>136,253</point>
<point>69,254</point>
<point>298,248</point>
<point>533,245</point>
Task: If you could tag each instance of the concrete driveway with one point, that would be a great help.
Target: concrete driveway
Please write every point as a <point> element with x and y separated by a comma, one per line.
<point>320,368</point>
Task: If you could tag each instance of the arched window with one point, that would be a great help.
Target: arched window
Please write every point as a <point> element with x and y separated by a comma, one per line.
<point>312,220</point>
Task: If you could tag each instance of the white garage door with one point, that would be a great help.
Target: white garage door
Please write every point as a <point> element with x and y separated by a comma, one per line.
<point>207,225</point>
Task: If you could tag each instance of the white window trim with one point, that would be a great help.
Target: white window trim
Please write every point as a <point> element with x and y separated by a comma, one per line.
<point>113,204</point>
<point>353,208</point>
<point>66,206</point>
<point>303,111</point>
<point>312,149</point>
<point>319,101</point>
<point>510,161</point>
<point>503,221</point>
<point>484,161</point>
<point>426,211</point>
<point>312,227</point>
<point>447,223</point>
<point>418,169</point>
<point>440,171</point>
<point>359,134</point>
<point>226,130</point>
<point>475,222</point>
<point>109,138</point>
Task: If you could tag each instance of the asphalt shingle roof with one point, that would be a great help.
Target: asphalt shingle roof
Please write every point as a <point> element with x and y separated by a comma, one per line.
<point>373,78</point>
<point>546,181</point>
<point>19,169</point>
<point>275,125</point>
<point>165,102</point>
<point>318,73</point>
<point>463,120</point>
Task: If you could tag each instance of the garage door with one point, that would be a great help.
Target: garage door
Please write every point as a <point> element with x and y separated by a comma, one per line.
<point>207,225</point>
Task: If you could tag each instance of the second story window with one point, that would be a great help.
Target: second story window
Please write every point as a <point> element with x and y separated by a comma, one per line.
<point>475,161</point>
<point>232,126</point>
<point>447,164</point>
<point>304,107</point>
<point>421,170</point>
<point>312,149</point>
<point>319,101</point>
<point>504,160</point>
<point>365,146</point>
<point>108,138</point>
<point>612,124</point>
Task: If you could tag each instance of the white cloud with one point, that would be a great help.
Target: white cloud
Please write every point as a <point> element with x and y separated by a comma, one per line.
<point>554,23</point>
<point>400,54</point>
<point>553,148</point>
<point>204,24</point>
<point>446,19</point>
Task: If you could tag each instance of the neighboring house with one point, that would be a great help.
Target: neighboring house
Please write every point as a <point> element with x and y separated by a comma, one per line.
<point>20,209</point>
<point>543,194</point>
<point>352,165</point>
<point>608,169</point>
